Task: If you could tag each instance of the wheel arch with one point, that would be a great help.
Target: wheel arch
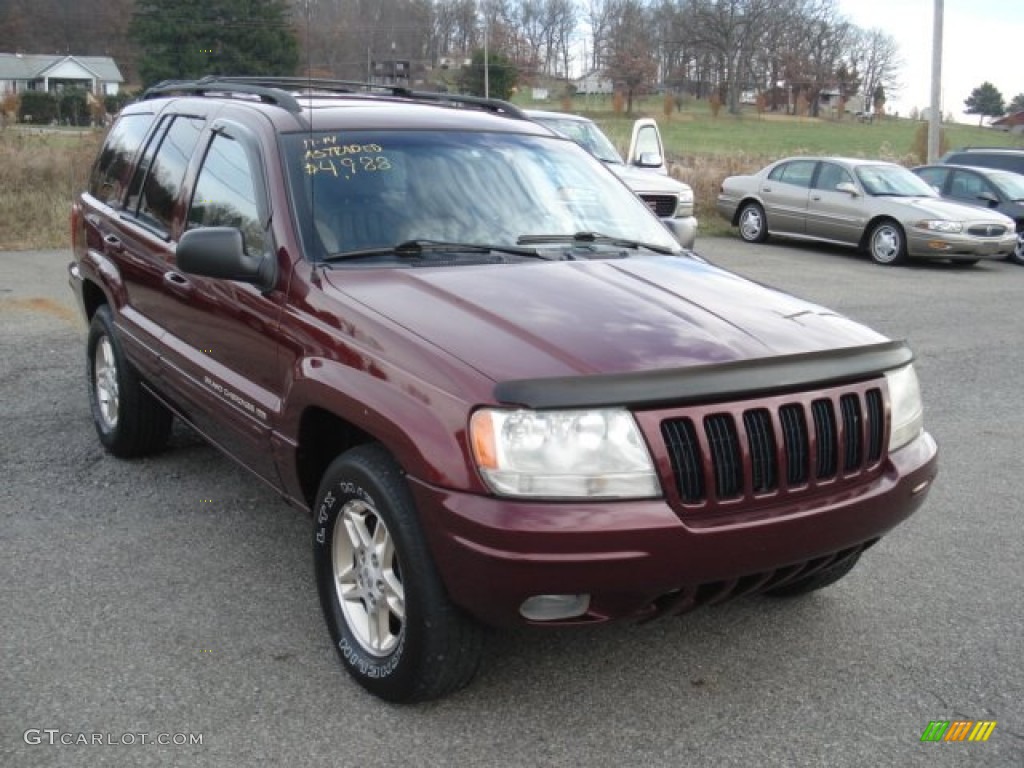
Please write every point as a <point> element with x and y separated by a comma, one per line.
<point>874,222</point>
<point>741,205</point>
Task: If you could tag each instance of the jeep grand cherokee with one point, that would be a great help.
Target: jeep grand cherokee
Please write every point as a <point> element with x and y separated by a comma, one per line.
<point>500,387</point>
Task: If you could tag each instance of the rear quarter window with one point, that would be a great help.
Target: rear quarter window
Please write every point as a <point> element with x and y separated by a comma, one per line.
<point>113,167</point>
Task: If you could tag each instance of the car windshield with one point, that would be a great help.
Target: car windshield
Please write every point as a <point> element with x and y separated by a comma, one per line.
<point>1011,185</point>
<point>892,180</point>
<point>586,134</point>
<point>360,191</point>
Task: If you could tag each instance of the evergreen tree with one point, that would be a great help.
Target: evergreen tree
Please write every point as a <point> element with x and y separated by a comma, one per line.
<point>1016,105</point>
<point>501,75</point>
<point>189,39</point>
<point>985,100</point>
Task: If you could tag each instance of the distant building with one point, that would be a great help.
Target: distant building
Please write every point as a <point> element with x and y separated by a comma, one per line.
<point>594,82</point>
<point>1013,122</point>
<point>36,72</point>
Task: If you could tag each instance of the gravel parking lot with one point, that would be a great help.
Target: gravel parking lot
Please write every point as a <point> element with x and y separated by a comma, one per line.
<point>173,597</point>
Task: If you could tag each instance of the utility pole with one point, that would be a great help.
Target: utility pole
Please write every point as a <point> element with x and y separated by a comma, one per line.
<point>487,64</point>
<point>935,118</point>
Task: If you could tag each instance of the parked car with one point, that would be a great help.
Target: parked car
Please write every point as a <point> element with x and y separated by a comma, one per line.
<point>501,389</point>
<point>1001,158</point>
<point>996,190</point>
<point>880,207</point>
<point>645,170</point>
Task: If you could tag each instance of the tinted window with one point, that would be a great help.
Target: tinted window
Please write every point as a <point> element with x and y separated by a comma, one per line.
<point>830,175</point>
<point>225,195</point>
<point>968,186</point>
<point>934,177</point>
<point>113,167</point>
<point>162,186</point>
<point>1004,161</point>
<point>797,173</point>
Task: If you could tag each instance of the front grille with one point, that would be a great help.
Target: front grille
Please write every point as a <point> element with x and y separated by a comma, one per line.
<point>782,445</point>
<point>663,205</point>
<point>987,230</point>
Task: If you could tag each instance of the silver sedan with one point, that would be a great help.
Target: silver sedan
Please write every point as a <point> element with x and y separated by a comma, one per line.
<point>880,207</point>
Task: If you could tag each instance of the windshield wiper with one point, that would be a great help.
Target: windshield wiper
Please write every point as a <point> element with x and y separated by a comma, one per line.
<point>415,248</point>
<point>584,238</point>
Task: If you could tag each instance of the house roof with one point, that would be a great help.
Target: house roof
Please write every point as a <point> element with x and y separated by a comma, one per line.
<point>1014,118</point>
<point>31,66</point>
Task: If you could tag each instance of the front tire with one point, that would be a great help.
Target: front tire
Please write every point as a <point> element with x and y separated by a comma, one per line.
<point>753,226</point>
<point>391,621</point>
<point>887,244</point>
<point>130,422</point>
<point>1017,257</point>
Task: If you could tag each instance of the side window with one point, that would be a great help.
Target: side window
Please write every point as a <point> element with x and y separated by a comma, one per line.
<point>933,177</point>
<point>225,195</point>
<point>798,173</point>
<point>162,186</point>
<point>831,175</point>
<point>967,186</point>
<point>114,165</point>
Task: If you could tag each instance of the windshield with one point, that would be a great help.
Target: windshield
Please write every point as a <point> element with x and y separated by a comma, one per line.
<point>360,191</point>
<point>1011,185</point>
<point>586,134</point>
<point>893,180</point>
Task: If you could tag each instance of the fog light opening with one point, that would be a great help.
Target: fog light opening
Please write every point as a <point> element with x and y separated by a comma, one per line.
<point>938,245</point>
<point>554,607</point>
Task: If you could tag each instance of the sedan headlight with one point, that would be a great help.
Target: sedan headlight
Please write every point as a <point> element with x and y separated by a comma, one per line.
<point>940,225</point>
<point>594,453</point>
<point>907,410</point>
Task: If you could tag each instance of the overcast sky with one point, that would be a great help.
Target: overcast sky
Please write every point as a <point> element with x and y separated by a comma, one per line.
<point>982,40</point>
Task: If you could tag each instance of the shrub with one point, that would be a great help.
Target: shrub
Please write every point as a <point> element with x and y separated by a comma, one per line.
<point>37,107</point>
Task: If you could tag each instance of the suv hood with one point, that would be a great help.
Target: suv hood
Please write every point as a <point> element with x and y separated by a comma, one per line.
<point>545,319</point>
<point>652,182</point>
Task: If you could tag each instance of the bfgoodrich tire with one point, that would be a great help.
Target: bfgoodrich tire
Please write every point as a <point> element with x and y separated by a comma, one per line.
<point>391,621</point>
<point>816,581</point>
<point>130,422</point>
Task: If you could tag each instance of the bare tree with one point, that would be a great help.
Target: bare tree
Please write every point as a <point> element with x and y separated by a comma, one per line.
<point>875,54</point>
<point>631,61</point>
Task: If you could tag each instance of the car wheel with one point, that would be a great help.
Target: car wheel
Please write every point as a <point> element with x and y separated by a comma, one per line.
<point>130,422</point>
<point>752,223</point>
<point>1017,257</point>
<point>887,244</point>
<point>817,580</point>
<point>395,629</point>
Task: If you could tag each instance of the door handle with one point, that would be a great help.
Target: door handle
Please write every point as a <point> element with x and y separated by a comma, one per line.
<point>113,244</point>
<point>178,283</point>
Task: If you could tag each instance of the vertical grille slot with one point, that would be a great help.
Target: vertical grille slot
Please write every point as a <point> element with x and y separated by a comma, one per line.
<point>763,459</point>
<point>826,433</point>
<point>724,445</point>
<point>687,461</point>
<point>796,442</point>
<point>853,439</point>
<point>876,424</point>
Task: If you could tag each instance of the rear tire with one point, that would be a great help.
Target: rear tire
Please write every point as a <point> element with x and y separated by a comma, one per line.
<point>887,244</point>
<point>130,422</point>
<point>753,226</point>
<point>816,581</point>
<point>396,631</point>
<point>1017,257</point>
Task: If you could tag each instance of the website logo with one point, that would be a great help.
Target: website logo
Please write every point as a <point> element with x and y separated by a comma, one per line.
<point>958,730</point>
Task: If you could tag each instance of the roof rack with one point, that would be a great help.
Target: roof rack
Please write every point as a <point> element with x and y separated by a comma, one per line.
<point>281,91</point>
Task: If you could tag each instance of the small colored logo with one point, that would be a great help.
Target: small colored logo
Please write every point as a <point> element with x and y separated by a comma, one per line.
<point>958,730</point>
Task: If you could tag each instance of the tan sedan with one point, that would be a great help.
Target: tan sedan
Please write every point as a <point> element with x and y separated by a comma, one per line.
<point>880,207</point>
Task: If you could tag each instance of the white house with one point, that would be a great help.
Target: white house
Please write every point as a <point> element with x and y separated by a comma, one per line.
<point>594,82</point>
<point>35,72</point>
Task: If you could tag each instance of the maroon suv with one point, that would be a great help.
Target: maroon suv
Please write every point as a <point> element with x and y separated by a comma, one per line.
<point>500,387</point>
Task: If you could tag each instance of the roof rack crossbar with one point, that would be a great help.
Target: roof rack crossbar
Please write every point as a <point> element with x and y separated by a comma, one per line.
<point>274,90</point>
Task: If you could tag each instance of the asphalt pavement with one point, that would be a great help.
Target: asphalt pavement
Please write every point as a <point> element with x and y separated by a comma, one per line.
<point>172,598</point>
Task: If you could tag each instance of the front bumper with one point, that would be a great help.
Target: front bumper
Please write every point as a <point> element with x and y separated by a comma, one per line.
<point>683,228</point>
<point>493,553</point>
<point>941,245</point>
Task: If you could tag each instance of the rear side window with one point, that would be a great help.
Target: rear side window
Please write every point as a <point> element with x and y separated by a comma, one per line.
<point>225,195</point>
<point>113,168</point>
<point>798,173</point>
<point>162,187</point>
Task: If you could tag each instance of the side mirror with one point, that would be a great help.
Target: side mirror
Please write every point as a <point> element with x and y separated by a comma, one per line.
<point>989,199</point>
<point>220,252</point>
<point>649,160</point>
<point>848,187</point>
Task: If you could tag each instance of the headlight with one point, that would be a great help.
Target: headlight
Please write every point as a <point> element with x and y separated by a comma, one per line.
<point>684,203</point>
<point>940,225</point>
<point>563,454</point>
<point>907,411</point>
